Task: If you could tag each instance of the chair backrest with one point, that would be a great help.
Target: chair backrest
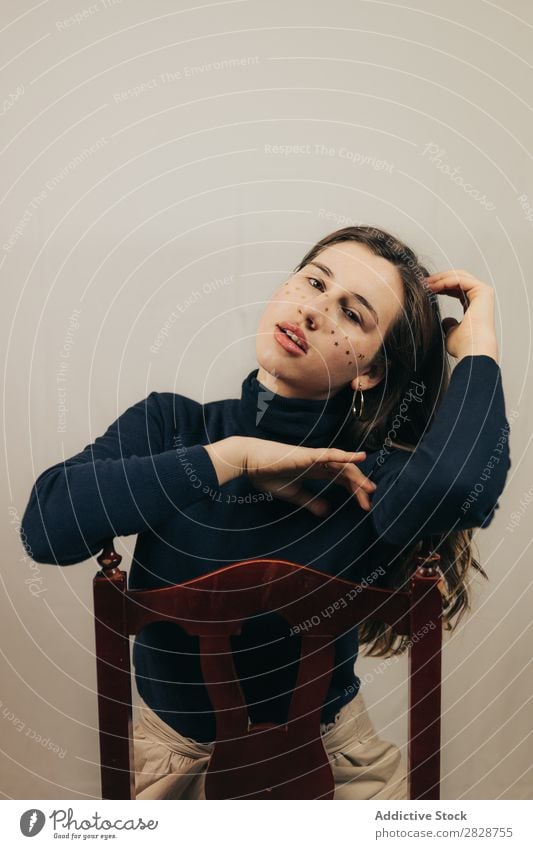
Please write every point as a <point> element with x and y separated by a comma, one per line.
<point>258,761</point>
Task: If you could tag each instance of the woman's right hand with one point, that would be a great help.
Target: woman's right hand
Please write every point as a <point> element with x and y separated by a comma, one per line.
<point>280,468</point>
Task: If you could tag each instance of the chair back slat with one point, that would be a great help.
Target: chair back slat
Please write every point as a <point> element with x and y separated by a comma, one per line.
<point>257,761</point>
<point>314,676</point>
<point>223,686</point>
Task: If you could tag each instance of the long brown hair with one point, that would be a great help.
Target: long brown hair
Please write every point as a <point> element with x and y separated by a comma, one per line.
<point>412,349</point>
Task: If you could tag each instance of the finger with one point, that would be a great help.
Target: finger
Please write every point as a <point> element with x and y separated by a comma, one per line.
<point>357,485</point>
<point>455,283</point>
<point>362,492</point>
<point>454,276</point>
<point>326,471</point>
<point>340,473</point>
<point>335,455</point>
<point>354,475</point>
<point>453,273</point>
<point>453,291</point>
<point>305,498</point>
<point>362,497</point>
<point>317,506</point>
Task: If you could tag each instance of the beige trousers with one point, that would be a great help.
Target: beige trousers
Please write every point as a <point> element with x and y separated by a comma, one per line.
<point>170,766</point>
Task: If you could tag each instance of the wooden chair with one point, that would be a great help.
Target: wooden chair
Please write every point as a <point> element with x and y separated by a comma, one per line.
<point>266,760</point>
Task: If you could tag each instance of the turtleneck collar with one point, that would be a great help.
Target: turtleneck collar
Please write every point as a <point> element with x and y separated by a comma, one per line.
<point>311,422</point>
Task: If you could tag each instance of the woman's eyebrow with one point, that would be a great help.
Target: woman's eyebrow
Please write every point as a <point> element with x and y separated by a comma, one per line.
<point>360,298</point>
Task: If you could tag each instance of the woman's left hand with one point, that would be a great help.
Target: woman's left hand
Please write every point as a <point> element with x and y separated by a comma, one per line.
<point>476,332</point>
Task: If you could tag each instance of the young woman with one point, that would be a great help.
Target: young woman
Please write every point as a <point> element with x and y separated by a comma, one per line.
<point>349,445</point>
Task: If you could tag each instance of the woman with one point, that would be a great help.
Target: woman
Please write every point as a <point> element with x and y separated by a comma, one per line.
<point>349,445</point>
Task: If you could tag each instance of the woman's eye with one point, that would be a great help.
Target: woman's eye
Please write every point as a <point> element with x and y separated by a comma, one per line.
<point>354,317</point>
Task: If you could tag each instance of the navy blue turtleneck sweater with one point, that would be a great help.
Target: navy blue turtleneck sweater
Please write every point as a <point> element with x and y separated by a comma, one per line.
<point>150,475</point>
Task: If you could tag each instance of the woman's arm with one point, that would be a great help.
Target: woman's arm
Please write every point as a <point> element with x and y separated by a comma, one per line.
<point>453,479</point>
<point>129,481</point>
<point>123,483</point>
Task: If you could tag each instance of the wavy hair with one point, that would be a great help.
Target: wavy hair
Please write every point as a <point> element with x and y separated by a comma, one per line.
<point>412,349</point>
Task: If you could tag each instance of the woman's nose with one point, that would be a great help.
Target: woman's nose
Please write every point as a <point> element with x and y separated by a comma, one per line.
<point>311,320</point>
<point>313,314</point>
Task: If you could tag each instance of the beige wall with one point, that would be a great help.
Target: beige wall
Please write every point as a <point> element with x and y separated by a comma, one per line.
<point>132,181</point>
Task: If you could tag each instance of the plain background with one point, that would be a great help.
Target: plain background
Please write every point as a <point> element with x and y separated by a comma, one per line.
<point>139,189</point>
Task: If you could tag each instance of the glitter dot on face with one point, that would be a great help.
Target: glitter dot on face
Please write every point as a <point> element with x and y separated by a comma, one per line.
<point>347,352</point>
<point>349,362</point>
<point>336,343</point>
<point>333,331</point>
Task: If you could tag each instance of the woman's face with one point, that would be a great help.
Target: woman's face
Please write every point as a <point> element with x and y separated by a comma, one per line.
<point>344,302</point>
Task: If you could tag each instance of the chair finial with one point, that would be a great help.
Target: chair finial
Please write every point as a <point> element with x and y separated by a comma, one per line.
<point>109,560</point>
<point>428,563</point>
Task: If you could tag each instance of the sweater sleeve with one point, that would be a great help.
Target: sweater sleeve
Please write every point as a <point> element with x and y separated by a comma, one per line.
<point>123,483</point>
<point>454,477</point>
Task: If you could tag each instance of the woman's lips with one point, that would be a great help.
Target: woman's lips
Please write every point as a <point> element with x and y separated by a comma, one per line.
<point>292,331</point>
<point>288,344</point>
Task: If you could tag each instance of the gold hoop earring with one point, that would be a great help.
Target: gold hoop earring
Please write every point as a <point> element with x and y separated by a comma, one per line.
<point>358,414</point>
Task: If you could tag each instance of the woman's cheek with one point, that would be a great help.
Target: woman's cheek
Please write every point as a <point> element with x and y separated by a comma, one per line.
<point>344,352</point>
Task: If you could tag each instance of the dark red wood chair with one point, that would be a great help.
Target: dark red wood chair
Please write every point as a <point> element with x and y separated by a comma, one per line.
<point>266,760</point>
